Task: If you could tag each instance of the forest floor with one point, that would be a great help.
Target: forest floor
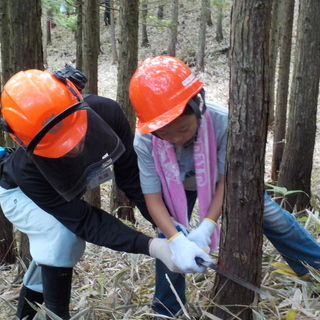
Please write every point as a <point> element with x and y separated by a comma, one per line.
<point>116,285</point>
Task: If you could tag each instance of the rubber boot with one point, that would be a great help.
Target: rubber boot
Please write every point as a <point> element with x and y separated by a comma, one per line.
<point>57,290</point>
<point>24,309</point>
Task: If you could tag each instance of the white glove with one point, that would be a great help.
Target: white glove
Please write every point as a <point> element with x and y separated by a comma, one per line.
<point>184,253</point>
<point>159,249</point>
<point>201,235</point>
<point>179,227</point>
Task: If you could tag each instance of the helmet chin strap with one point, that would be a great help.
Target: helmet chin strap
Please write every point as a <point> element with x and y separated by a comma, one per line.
<point>198,109</point>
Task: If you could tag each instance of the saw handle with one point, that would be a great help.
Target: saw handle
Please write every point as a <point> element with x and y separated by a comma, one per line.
<point>199,261</point>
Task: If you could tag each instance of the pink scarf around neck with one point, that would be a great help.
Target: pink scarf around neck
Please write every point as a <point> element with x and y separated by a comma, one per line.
<point>205,159</point>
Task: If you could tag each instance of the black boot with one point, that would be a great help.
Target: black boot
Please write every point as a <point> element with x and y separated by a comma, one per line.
<point>57,290</point>
<point>24,309</point>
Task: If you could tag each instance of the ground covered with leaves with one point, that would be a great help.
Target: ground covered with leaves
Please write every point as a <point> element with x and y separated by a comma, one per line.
<point>116,285</point>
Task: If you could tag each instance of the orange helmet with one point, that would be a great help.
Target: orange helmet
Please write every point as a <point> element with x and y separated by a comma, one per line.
<point>30,100</point>
<point>159,91</point>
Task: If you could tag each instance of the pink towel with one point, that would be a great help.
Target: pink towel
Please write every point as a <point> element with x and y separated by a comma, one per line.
<point>205,159</point>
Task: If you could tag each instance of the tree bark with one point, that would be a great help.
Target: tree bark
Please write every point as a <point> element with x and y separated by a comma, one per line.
<point>79,35</point>
<point>280,124</point>
<point>241,239</point>
<point>219,32</point>
<point>7,242</point>
<point>128,61</point>
<point>90,52</point>
<point>144,33</point>
<point>202,35</point>
<point>296,165</point>
<point>113,35</point>
<point>273,56</point>
<point>28,54</point>
<point>174,28</point>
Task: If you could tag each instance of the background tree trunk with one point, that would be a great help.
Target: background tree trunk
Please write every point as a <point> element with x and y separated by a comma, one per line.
<point>144,14</point>
<point>241,240</point>
<point>280,124</point>
<point>90,52</point>
<point>113,34</point>
<point>202,35</point>
<point>79,35</point>
<point>296,165</point>
<point>273,56</point>
<point>174,28</point>
<point>209,20</point>
<point>128,61</point>
<point>160,11</point>
<point>7,242</point>
<point>28,54</point>
<point>219,32</point>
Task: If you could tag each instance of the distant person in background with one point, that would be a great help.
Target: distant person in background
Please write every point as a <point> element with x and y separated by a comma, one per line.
<point>106,16</point>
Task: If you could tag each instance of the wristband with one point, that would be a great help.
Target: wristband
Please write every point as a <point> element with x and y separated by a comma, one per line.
<point>211,221</point>
<point>174,236</point>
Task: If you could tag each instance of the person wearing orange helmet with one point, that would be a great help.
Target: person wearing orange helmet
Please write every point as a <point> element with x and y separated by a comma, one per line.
<point>181,148</point>
<point>67,143</point>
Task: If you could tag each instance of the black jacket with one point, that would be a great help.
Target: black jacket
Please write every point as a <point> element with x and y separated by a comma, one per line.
<point>91,224</point>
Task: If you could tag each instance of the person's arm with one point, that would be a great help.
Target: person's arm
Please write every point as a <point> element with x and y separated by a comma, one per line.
<point>203,233</point>
<point>215,208</point>
<point>126,169</point>
<point>160,214</point>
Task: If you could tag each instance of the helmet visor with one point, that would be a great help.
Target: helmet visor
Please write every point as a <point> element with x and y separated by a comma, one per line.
<point>87,163</point>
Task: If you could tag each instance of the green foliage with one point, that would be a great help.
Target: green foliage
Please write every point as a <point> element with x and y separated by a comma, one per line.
<point>68,21</point>
<point>220,3</point>
<point>155,22</point>
<point>283,192</point>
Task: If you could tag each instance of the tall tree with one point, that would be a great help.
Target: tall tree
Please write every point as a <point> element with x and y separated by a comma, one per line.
<point>113,34</point>
<point>128,61</point>
<point>20,50</point>
<point>160,11</point>
<point>90,51</point>
<point>286,17</point>
<point>79,5</point>
<point>16,28</point>
<point>219,32</point>
<point>173,28</point>
<point>144,33</point>
<point>296,165</point>
<point>273,56</point>
<point>202,34</point>
<point>241,241</point>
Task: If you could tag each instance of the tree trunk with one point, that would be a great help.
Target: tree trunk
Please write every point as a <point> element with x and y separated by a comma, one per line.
<point>241,239</point>
<point>128,54</point>
<point>273,56</point>
<point>174,28</point>
<point>79,35</point>
<point>144,34</point>
<point>160,11</point>
<point>219,32</point>
<point>90,53</point>
<point>113,35</point>
<point>286,14</point>
<point>28,54</point>
<point>202,35</point>
<point>7,243</point>
<point>209,20</point>
<point>296,165</point>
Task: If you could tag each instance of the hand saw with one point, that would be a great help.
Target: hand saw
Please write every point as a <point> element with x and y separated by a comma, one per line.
<point>233,277</point>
